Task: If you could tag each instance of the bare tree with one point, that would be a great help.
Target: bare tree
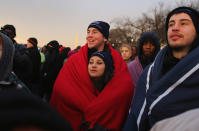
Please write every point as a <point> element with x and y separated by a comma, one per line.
<point>127,31</point>
<point>159,14</point>
<point>122,32</point>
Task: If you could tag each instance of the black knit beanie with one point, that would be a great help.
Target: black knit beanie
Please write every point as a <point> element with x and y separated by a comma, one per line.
<point>106,57</point>
<point>6,60</point>
<point>102,26</point>
<point>33,41</point>
<point>53,44</point>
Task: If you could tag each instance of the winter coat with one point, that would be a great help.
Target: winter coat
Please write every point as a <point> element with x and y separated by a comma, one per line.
<point>158,96</point>
<point>34,80</point>
<point>35,58</point>
<point>140,62</point>
<point>50,70</point>
<point>8,79</point>
<point>22,64</point>
<point>153,38</point>
<point>135,69</point>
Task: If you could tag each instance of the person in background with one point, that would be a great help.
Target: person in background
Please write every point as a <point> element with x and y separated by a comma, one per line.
<point>22,65</point>
<point>6,56</point>
<point>43,51</point>
<point>78,100</point>
<point>51,68</point>
<point>169,86</point>
<point>134,52</point>
<point>64,54</point>
<point>10,31</point>
<point>7,77</point>
<point>126,52</point>
<point>42,57</point>
<point>77,48</point>
<point>71,52</point>
<point>148,48</point>
<point>34,81</point>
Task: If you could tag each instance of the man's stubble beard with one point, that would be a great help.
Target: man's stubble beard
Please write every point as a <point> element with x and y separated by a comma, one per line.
<point>178,48</point>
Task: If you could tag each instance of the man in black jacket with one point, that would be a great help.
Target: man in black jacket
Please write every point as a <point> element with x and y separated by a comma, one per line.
<point>33,82</point>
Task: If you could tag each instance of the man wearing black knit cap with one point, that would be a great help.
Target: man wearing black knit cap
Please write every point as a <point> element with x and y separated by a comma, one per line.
<point>97,41</point>
<point>102,26</point>
<point>169,86</point>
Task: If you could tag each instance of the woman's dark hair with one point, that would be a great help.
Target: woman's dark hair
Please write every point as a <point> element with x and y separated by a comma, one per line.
<point>107,75</point>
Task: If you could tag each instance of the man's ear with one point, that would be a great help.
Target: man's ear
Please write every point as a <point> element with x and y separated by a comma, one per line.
<point>105,40</point>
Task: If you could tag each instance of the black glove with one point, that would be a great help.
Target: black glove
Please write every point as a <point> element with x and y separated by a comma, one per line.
<point>85,125</point>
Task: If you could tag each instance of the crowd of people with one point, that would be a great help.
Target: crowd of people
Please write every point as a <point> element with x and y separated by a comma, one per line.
<point>98,88</point>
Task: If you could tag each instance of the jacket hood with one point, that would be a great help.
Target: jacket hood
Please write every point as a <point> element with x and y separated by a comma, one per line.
<point>6,60</point>
<point>149,37</point>
<point>153,38</point>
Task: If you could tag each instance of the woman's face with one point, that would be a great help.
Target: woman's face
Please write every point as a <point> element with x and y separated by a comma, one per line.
<point>95,39</point>
<point>126,53</point>
<point>96,67</point>
<point>29,45</point>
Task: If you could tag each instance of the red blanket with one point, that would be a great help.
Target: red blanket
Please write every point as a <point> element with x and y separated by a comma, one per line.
<point>74,95</point>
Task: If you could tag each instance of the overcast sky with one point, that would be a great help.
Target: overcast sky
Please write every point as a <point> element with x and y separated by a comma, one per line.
<point>64,20</point>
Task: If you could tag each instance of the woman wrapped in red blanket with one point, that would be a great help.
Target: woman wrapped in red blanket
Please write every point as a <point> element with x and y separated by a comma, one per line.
<point>75,96</point>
